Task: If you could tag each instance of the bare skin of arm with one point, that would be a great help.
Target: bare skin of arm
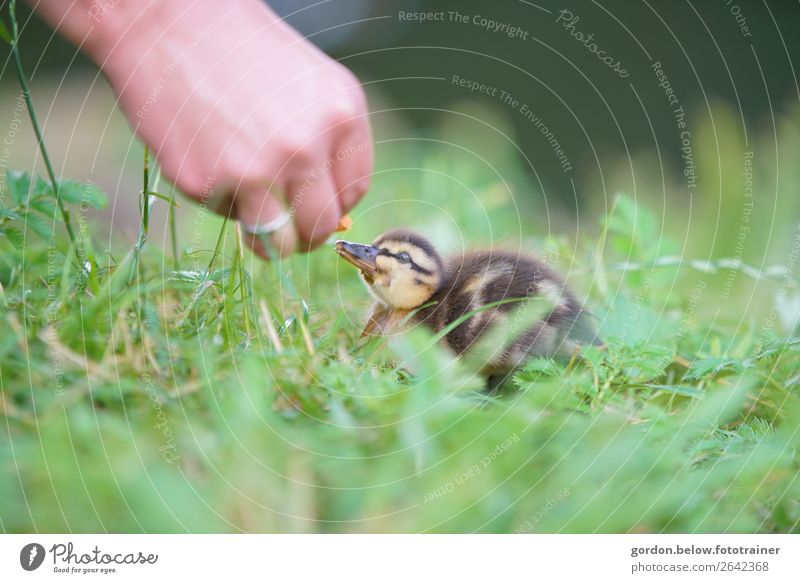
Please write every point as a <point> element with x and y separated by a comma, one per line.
<point>243,113</point>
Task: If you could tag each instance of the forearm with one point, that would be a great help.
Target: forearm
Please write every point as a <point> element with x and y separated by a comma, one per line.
<point>106,28</point>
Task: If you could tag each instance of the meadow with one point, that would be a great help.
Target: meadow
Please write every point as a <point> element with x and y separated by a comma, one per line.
<point>212,392</point>
<point>183,385</point>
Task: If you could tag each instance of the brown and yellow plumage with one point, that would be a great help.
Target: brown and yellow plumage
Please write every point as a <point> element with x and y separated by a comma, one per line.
<point>412,283</point>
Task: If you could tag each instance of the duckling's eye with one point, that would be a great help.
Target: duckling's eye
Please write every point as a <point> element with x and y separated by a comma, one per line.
<point>403,257</point>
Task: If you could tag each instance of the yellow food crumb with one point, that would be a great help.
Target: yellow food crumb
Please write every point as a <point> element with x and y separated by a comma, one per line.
<point>344,224</point>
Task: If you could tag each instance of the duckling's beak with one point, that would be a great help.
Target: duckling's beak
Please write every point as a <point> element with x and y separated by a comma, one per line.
<point>362,256</point>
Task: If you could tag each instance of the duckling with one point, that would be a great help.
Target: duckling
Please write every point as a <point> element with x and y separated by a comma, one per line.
<point>412,284</point>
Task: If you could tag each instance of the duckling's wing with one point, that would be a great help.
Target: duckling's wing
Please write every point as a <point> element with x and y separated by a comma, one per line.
<point>377,321</point>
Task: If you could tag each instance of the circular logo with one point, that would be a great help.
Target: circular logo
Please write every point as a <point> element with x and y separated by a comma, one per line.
<point>31,556</point>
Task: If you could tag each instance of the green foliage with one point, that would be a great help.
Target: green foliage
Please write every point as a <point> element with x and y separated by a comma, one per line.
<point>236,396</point>
<point>5,34</point>
<point>34,205</point>
<point>240,398</point>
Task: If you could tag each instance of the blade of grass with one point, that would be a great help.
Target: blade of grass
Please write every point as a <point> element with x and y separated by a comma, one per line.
<point>242,278</point>
<point>26,94</point>
<point>271,331</point>
<point>173,231</point>
<point>144,209</point>
<point>220,237</point>
<point>600,249</point>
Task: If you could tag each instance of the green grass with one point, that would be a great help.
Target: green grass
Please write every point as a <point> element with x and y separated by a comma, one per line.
<point>153,399</point>
<point>201,390</point>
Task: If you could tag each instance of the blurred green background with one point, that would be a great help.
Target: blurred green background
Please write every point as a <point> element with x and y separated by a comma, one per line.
<point>730,65</point>
<point>684,241</point>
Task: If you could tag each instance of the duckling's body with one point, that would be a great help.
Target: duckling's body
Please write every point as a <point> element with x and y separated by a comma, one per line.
<point>404,272</point>
<point>481,278</point>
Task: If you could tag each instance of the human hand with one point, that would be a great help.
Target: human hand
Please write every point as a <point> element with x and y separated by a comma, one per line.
<point>243,113</point>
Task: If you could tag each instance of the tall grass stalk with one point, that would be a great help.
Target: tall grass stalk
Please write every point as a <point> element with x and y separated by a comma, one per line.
<point>144,225</point>
<point>217,246</point>
<point>244,291</point>
<point>173,230</point>
<point>26,93</point>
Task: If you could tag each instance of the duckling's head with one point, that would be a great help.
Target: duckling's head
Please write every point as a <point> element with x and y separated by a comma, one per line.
<point>401,268</point>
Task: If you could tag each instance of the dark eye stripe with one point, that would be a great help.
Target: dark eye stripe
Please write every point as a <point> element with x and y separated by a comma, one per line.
<point>420,269</point>
<point>414,266</point>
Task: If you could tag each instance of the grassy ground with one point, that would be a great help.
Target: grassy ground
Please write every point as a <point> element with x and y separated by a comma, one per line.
<point>145,394</point>
<point>198,389</point>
